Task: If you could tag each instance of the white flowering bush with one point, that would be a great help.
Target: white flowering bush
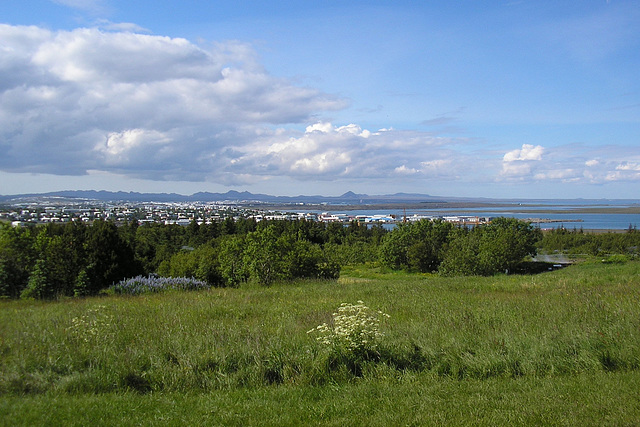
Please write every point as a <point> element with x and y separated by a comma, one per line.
<point>356,328</point>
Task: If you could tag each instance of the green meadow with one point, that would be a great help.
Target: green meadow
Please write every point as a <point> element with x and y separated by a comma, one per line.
<point>558,348</point>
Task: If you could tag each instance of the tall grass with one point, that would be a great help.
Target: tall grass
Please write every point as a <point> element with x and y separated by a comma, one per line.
<point>599,399</point>
<point>583,319</point>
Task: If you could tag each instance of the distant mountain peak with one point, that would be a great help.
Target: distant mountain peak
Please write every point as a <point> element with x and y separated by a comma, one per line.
<point>351,195</point>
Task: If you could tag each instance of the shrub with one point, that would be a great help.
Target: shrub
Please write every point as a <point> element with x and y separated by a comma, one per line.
<point>417,246</point>
<point>616,259</point>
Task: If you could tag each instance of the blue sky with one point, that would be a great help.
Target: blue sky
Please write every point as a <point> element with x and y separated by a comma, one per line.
<point>527,99</point>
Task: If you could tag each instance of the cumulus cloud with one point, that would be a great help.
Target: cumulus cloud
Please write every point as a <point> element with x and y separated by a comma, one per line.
<point>629,166</point>
<point>161,108</point>
<point>518,163</point>
<point>516,170</point>
<point>73,101</point>
<point>527,152</point>
<point>90,101</point>
<point>572,163</point>
<point>327,152</point>
<point>566,175</point>
<point>119,147</point>
<point>610,164</point>
<point>403,169</point>
<point>624,171</point>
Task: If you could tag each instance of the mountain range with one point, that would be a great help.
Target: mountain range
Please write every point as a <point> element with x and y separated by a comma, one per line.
<point>230,196</point>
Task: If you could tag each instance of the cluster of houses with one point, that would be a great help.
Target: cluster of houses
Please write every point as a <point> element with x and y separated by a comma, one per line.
<point>185,213</point>
<point>345,218</point>
<point>395,219</point>
<point>164,213</point>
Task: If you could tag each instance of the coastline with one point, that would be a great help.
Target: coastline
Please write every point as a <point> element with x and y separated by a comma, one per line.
<point>457,207</point>
<point>611,217</point>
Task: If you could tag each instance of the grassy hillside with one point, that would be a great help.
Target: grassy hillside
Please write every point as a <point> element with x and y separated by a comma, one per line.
<point>556,348</point>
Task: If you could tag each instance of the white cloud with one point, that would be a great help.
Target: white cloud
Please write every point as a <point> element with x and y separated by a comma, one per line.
<point>527,152</point>
<point>566,175</point>
<point>328,152</point>
<point>519,163</point>
<point>624,172</point>
<point>628,166</point>
<point>405,170</point>
<point>573,163</point>
<point>320,127</point>
<point>118,145</point>
<point>515,170</point>
<point>330,161</point>
<point>436,164</point>
<point>138,98</point>
<point>160,108</point>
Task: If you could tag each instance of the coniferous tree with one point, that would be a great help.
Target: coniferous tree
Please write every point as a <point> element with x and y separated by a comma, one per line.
<point>17,255</point>
<point>109,258</point>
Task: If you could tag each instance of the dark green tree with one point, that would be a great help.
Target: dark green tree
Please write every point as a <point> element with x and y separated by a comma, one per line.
<point>193,237</point>
<point>417,246</point>
<point>505,243</point>
<point>308,260</point>
<point>17,256</point>
<point>228,226</point>
<point>246,225</point>
<point>108,257</point>
<point>156,243</point>
<point>335,233</point>
<point>494,248</point>
<point>461,255</point>
<point>209,231</point>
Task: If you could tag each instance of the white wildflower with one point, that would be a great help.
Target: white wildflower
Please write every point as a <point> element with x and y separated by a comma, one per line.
<point>93,325</point>
<point>355,328</point>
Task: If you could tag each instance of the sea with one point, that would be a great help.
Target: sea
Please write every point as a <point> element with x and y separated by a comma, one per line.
<point>554,214</point>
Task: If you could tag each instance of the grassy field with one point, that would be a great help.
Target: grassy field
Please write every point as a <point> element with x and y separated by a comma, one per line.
<point>560,348</point>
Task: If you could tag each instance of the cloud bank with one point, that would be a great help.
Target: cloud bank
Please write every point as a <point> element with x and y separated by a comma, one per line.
<point>160,108</point>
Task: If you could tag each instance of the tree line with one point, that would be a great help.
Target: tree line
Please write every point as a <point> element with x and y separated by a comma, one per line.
<point>76,259</point>
<point>438,246</point>
<point>576,241</point>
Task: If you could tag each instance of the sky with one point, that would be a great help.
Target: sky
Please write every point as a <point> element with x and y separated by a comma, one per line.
<point>500,99</point>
